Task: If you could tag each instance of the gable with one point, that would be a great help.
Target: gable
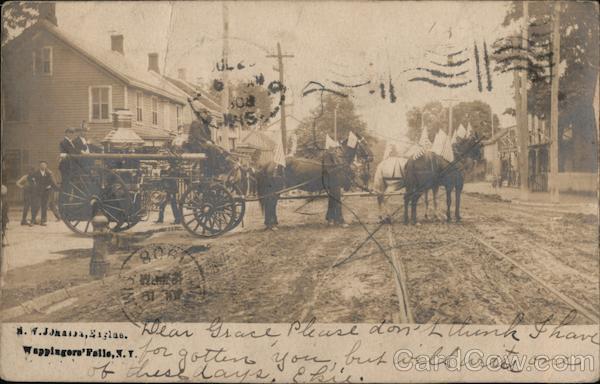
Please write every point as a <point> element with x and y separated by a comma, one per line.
<point>114,63</point>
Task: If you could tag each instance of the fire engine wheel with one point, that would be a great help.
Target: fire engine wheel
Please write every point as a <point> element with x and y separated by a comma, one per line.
<point>96,190</point>
<point>208,210</point>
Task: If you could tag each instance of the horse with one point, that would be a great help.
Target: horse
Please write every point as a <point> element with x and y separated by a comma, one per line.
<point>432,171</point>
<point>332,173</point>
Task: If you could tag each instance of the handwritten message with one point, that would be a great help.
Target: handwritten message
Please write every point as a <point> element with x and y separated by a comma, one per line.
<point>301,351</point>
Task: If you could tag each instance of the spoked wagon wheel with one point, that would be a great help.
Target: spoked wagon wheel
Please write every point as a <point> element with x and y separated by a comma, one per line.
<point>208,210</point>
<point>137,211</point>
<point>97,190</point>
<point>239,206</point>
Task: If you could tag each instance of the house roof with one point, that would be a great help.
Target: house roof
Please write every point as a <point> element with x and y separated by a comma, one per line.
<point>115,63</point>
<point>123,136</point>
<point>258,140</point>
<point>192,90</point>
<point>150,133</point>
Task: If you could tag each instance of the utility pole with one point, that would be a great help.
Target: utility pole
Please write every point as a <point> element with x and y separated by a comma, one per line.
<point>450,62</point>
<point>335,123</point>
<point>279,56</point>
<point>554,194</point>
<point>522,116</point>
<point>225,91</point>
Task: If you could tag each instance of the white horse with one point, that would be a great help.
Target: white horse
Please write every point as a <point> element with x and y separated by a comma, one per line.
<point>389,177</point>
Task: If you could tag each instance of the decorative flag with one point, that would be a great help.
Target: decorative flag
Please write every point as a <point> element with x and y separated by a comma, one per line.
<point>424,140</point>
<point>442,146</point>
<point>469,130</point>
<point>461,132</point>
<point>352,140</point>
<point>278,155</point>
<point>388,150</point>
<point>329,143</point>
<point>415,151</point>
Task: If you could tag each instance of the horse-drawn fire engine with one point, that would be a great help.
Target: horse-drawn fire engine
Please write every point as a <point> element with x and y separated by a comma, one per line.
<point>125,187</point>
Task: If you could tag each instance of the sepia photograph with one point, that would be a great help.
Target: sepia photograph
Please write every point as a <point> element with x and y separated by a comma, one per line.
<point>300,191</point>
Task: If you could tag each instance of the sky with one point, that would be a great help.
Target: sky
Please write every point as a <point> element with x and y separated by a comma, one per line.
<point>346,42</point>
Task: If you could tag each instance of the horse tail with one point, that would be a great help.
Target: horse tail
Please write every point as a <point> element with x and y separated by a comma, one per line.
<point>378,182</point>
<point>261,187</point>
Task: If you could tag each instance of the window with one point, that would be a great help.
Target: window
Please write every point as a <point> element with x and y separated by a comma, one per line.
<point>35,64</point>
<point>16,163</point>
<point>42,61</point>
<point>154,111</point>
<point>166,122</point>
<point>139,103</point>
<point>231,143</point>
<point>47,60</point>
<point>100,103</point>
<point>178,118</point>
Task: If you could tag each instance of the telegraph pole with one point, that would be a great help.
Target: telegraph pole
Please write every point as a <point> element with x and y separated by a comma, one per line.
<point>335,123</point>
<point>523,115</point>
<point>554,194</point>
<point>279,56</point>
<point>225,57</point>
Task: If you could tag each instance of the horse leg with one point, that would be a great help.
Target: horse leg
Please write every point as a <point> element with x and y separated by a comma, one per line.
<point>407,200</point>
<point>413,208</point>
<point>329,216</point>
<point>459,188</point>
<point>426,203</point>
<point>275,220</point>
<point>384,215</point>
<point>434,192</point>
<point>271,212</point>
<point>448,201</point>
<point>335,206</point>
<point>268,212</point>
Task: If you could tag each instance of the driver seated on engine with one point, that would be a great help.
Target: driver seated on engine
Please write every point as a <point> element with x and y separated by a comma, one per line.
<point>199,138</point>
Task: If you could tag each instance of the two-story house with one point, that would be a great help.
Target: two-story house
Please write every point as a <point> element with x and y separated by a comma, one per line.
<point>52,81</point>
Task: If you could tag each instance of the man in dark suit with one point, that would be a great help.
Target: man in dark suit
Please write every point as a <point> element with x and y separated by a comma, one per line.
<point>68,167</point>
<point>80,142</point>
<point>45,184</point>
<point>170,187</point>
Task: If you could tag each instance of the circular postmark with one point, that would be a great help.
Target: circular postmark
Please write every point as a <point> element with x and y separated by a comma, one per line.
<point>160,282</point>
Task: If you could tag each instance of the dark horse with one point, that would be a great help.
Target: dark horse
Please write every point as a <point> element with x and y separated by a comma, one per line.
<point>331,173</point>
<point>432,171</point>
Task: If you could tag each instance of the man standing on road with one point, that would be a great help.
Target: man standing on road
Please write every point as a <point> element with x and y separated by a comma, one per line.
<point>28,184</point>
<point>45,184</point>
<point>169,184</point>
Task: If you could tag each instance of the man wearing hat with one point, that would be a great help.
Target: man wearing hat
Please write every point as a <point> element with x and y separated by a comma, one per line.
<point>80,141</point>
<point>45,184</point>
<point>199,138</point>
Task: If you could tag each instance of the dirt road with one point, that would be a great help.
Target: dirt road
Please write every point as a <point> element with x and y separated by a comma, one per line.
<point>450,275</point>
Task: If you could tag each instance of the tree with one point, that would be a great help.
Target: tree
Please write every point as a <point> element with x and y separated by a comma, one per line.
<point>579,56</point>
<point>312,130</point>
<point>17,15</point>
<point>435,115</point>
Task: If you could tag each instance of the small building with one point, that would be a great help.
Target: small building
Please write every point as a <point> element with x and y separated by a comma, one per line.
<point>500,153</point>
<point>257,145</point>
<point>52,81</point>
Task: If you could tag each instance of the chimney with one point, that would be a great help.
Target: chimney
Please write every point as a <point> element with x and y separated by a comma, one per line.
<point>47,11</point>
<point>116,43</point>
<point>181,74</point>
<point>153,62</point>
